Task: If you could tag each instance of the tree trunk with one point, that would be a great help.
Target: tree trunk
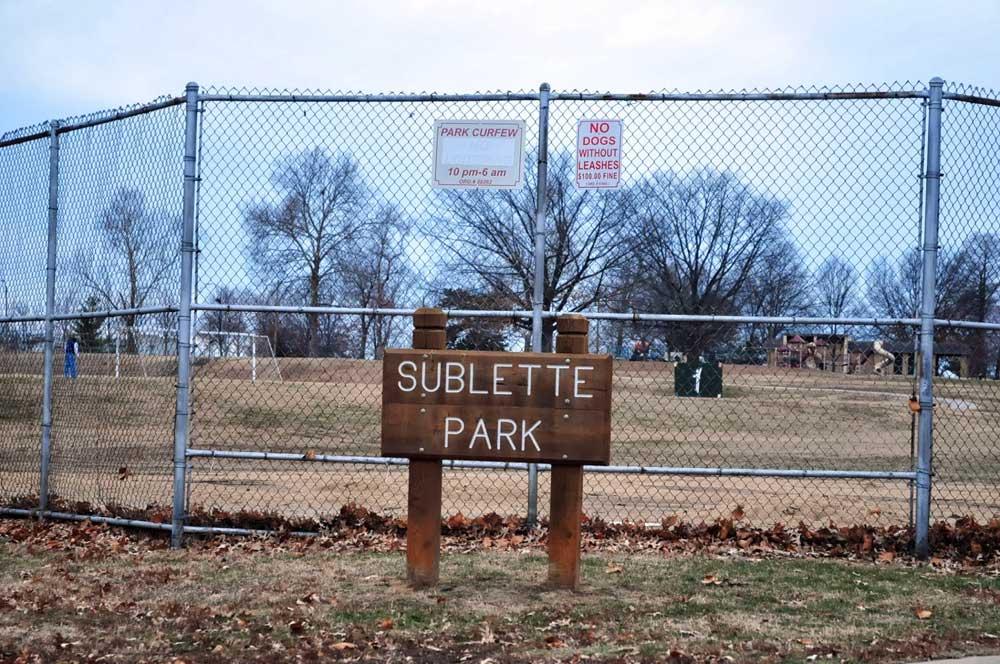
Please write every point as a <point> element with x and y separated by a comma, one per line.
<point>977,357</point>
<point>619,339</point>
<point>548,331</point>
<point>366,324</point>
<point>130,345</point>
<point>312,341</point>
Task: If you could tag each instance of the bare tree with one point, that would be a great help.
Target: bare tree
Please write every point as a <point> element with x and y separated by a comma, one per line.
<point>219,325</point>
<point>979,260</point>
<point>778,285</point>
<point>296,241</point>
<point>624,291</point>
<point>374,273</point>
<point>894,288</point>
<point>703,238</point>
<point>491,236</point>
<point>135,258</point>
<point>836,289</point>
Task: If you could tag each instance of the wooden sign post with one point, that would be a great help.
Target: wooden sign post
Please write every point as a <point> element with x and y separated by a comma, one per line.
<point>423,504</point>
<point>528,407</point>
<point>566,495</point>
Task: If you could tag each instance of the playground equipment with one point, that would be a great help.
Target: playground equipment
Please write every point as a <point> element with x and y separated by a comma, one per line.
<point>887,358</point>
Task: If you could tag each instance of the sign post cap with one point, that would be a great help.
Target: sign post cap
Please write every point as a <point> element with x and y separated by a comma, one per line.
<point>429,318</point>
<point>572,324</point>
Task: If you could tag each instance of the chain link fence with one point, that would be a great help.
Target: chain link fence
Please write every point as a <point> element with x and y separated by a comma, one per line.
<point>231,265</point>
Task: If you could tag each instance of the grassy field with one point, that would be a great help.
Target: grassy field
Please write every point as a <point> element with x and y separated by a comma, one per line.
<point>112,442</point>
<point>76,593</point>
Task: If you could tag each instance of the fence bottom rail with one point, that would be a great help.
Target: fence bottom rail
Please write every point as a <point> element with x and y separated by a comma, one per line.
<point>620,470</point>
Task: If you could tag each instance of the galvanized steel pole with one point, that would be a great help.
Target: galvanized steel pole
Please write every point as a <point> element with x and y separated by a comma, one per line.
<point>50,306</point>
<point>182,411</point>
<point>538,297</point>
<point>932,197</point>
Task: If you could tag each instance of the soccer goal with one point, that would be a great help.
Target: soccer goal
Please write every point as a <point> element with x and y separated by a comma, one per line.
<point>150,351</point>
<point>238,354</point>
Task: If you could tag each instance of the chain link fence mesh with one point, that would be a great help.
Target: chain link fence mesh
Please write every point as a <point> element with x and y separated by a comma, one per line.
<point>804,204</point>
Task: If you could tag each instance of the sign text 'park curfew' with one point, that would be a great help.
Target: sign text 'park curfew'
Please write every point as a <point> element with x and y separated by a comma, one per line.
<point>492,406</point>
<point>478,154</point>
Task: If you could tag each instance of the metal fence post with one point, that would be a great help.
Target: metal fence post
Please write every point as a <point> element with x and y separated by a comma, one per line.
<point>538,297</point>
<point>182,412</point>
<point>50,306</point>
<point>932,196</point>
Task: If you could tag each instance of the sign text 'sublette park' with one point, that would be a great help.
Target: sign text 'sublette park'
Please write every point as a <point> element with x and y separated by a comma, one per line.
<point>478,154</point>
<point>484,406</point>
<point>598,154</point>
<point>496,406</point>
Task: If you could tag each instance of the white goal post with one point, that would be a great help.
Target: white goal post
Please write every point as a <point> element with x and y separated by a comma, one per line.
<point>221,345</point>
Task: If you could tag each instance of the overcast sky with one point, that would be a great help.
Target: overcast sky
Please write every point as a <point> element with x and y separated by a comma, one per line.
<point>66,58</point>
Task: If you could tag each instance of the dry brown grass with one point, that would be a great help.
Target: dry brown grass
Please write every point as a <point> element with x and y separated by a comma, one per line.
<point>767,418</point>
<point>260,601</point>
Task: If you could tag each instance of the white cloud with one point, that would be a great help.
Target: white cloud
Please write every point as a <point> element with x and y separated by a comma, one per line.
<point>90,54</point>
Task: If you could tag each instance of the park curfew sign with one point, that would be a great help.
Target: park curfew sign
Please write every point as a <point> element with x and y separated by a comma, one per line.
<point>478,154</point>
<point>489,406</point>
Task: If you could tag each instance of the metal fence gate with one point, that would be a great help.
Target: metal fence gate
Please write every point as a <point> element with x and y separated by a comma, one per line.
<point>232,263</point>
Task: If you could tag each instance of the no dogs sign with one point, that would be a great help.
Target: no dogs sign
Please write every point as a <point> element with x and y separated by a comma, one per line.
<point>598,154</point>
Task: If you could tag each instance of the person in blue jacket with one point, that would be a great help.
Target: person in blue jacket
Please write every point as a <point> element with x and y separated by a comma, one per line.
<point>72,353</point>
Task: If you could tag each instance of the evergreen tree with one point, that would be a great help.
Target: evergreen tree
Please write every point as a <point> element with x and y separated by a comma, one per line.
<point>88,330</point>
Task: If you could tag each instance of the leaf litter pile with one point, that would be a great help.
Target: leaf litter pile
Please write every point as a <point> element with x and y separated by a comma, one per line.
<point>959,540</point>
<point>713,592</point>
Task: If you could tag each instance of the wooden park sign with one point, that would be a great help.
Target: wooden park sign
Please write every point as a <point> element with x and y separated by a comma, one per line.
<point>487,406</point>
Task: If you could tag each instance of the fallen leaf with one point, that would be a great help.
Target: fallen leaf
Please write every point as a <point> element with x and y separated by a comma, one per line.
<point>887,556</point>
<point>310,455</point>
<point>613,569</point>
<point>711,580</point>
<point>923,614</point>
<point>344,645</point>
<point>554,642</point>
<point>386,623</point>
<point>738,513</point>
<point>457,521</point>
<point>296,627</point>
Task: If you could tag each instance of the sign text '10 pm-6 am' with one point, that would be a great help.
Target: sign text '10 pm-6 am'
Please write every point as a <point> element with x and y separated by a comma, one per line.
<point>496,406</point>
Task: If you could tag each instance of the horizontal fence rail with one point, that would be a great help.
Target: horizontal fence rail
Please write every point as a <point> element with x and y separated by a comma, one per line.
<point>591,315</point>
<point>612,469</point>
